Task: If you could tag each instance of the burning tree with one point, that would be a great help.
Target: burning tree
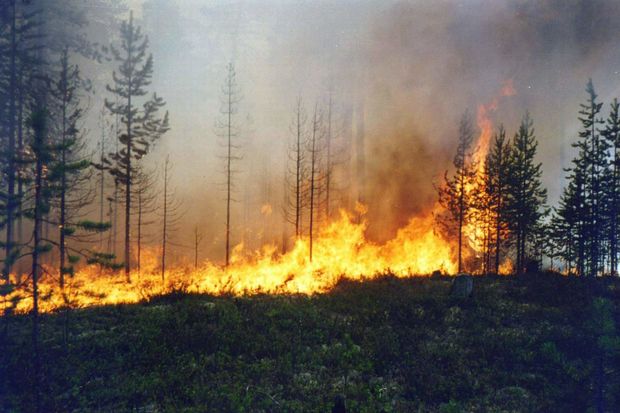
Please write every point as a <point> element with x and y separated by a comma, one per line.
<point>143,126</point>
<point>455,193</point>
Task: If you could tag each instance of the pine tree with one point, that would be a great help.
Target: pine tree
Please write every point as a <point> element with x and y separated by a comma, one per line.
<point>228,132</point>
<point>526,197</point>
<point>454,194</point>
<point>20,44</point>
<point>611,133</point>
<point>497,164</point>
<point>68,175</point>
<point>142,126</point>
<point>585,195</point>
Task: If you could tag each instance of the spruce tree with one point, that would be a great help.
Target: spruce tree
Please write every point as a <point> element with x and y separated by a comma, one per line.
<point>587,185</point>
<point>497,164</point>
<point>454,194</point>
<point>526,196</point>
<point>611,133</point>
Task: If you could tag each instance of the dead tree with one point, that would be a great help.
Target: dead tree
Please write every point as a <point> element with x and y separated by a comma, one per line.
<point>316,178</point>
<point>228,132</point>
<point>198,237</point>
<point>171,214</point>
<point>297,171</point>
<point>145,201</point>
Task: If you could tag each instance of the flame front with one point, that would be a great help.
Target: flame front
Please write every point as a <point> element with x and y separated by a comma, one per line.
<point>341,251</point>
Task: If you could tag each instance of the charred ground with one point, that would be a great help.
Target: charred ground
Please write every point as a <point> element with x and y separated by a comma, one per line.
<point>538,342</point>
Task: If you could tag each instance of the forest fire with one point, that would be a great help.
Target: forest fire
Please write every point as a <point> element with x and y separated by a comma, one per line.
<point>341,251</point>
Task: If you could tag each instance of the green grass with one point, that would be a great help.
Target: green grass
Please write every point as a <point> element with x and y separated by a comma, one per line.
<point>530,343</point>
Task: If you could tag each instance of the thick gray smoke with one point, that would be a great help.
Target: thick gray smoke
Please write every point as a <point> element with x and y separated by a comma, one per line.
<point>408,69</point>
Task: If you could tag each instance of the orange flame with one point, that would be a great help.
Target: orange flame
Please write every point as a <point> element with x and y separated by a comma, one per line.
<point>474,231</point>
<point>340,251</point>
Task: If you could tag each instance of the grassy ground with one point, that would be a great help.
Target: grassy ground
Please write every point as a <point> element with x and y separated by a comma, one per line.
<point>534,343</point>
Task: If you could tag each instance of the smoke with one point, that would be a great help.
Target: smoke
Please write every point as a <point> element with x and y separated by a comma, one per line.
<point>408,69</point>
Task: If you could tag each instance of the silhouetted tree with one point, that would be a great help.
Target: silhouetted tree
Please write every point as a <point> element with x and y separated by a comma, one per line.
<point>454,193</point>
<point>526,197</point>
<point>498,167</point>
<point>611,133</point>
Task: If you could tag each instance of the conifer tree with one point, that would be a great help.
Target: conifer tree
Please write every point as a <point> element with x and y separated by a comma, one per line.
<point>228,132</point>
<point>498,166</point>
<point>142,126</point>
<point>454,194</point>
<point>611,133</point>
<point>526,196</point>
<point>585,195</point>
<point>68,167</point>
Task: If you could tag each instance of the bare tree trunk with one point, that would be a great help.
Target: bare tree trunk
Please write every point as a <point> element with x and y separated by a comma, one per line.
<point>139,234</point>
<point>360,154</point>
<point>197,239</point>
<point>63,180</point>
<point>39,128</point>
<point>228,170</point>
<point>10,205</point>
<point>165,221</point>
<point>128,169</point>
<point>298,172</point>
<point>102,177</point>
<point>313,173</point>
<point>328,170</point>
<point>461,220</point>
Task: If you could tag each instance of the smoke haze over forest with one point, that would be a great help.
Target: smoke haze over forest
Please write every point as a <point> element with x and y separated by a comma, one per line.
<point>409,69</point>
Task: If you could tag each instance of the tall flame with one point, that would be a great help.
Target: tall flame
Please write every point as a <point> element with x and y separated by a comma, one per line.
<point>473,229</point>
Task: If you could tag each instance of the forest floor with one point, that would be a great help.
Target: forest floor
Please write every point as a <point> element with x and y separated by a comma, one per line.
<point>535,343</point>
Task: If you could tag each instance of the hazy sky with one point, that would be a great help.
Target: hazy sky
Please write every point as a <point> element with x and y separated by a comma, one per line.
<point>415,66</point>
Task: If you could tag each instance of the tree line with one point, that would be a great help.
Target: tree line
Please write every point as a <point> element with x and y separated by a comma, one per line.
<point>500,205</point>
